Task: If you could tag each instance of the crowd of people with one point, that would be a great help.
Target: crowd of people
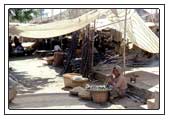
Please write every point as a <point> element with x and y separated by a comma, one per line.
<point>55,44</point>
<point>15,46</point>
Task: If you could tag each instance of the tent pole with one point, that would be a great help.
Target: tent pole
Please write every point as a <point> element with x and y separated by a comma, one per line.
<point>124,43</point>
<point>92,63</point>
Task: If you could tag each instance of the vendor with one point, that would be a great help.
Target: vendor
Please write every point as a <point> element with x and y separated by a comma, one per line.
<point>118,83</point>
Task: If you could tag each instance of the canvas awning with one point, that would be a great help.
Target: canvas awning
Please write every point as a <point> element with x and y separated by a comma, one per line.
<point>137,32</point>
<point>59,28</point>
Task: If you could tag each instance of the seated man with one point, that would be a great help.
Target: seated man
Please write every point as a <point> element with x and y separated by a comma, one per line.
<point>118,83</point>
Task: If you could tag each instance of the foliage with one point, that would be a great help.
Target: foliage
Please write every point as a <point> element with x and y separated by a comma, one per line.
<point>22,15</point>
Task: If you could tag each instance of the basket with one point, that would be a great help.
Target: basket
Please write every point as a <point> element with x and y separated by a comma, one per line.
<point>49,60</point>
<point>100,96</point>
<point>12,93</point>
<point>68,82</point>
<point>81,83</point>
<point>58,58</point>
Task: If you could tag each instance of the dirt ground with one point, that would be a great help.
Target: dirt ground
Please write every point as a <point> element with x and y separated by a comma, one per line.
<point>41,87</point>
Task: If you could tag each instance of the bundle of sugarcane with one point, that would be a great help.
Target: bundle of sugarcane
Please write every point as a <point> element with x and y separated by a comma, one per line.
<point>85,57</point>
<point>71,53</point>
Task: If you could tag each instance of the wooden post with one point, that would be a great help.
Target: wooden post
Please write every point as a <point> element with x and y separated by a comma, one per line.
<point>124,43</point>
<point>93,35</point>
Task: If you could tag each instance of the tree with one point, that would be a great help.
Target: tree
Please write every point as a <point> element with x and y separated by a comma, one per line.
<point>22,15</point>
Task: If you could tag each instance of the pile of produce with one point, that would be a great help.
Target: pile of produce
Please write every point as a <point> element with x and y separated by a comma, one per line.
<point>98,88</point>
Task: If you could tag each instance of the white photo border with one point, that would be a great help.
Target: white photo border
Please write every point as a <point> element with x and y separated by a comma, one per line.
<point>161,111</point>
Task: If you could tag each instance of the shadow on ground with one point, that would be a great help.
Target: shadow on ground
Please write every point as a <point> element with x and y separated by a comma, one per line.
<point>28,84</point>
<point>65,101</point>
<point>53,100</point>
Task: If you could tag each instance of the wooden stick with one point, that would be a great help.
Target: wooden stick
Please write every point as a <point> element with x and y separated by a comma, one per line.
<point>124,46</point>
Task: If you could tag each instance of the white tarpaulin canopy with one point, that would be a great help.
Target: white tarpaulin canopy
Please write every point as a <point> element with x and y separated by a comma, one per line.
<point>137,32</point>
<point>59,28</point>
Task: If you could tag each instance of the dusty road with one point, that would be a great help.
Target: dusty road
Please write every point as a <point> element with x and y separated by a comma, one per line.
<point>41,87</point>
